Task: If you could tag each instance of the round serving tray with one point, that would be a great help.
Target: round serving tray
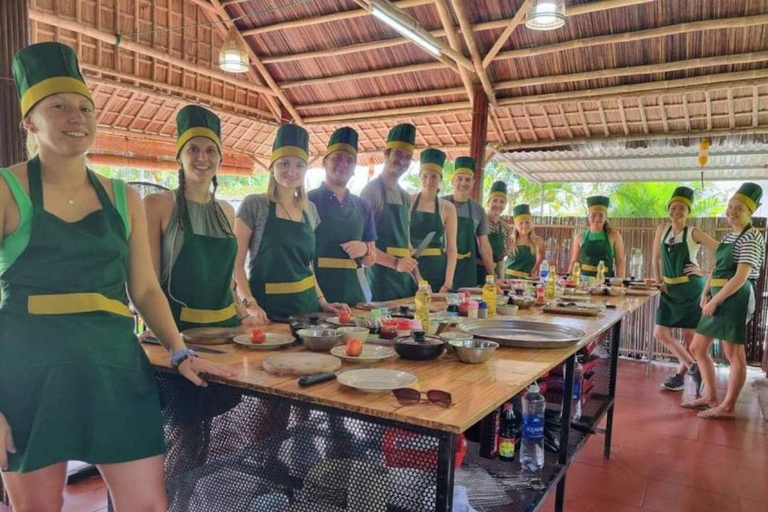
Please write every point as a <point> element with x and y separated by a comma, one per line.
<point>523,334</point>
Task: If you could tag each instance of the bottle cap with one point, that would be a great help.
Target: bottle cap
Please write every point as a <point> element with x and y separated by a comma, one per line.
<point>534,388</point>
<point>482,305</point>
<point>473,304</point>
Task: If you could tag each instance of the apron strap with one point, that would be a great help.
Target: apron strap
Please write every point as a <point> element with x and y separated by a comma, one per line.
<point>35,182</point>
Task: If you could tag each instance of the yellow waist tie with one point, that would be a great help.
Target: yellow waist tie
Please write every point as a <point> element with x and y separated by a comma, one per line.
<point>432,251</point>
<point>336,263</point>
<point>588,267</point>
<point>285,288</point>
<point>73,303</point>
<point>718,282</point>
<point>399,252</point>
<point>676,280</point>
<point>517,273</point>
<point>463,256</point>
<point>207,316</point>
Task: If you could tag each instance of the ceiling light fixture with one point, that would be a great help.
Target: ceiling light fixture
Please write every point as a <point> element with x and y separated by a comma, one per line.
<point>404,25</point>
<point>233,57</point>
<point>545,15</point>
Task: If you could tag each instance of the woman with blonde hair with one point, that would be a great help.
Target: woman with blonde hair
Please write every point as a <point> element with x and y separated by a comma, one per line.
<point>599,242</point>
<point>276,231</point>
<point>526,250</point>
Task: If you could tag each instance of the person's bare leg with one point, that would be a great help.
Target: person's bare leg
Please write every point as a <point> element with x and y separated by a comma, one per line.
<point>737,358</point>
<point>137,486</point>
<point>37,491</point>
<point>700,349</point>
<point>664,335</point>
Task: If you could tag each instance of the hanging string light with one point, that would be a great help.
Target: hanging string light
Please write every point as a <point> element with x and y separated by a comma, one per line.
<point>545,15</point>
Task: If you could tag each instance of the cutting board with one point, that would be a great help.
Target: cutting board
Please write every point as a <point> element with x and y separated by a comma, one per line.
<point>211,335</point>
<point>557,310</point>
<point>640,292</point>
<point>301,364</point>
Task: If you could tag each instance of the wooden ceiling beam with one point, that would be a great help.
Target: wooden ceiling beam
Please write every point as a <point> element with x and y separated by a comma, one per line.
<point>647,69</point>
<point>575,10</point>
<point>377,73</point>
<point>140,49</point>
<point>379,99</point>
<point>390,114</point>
<point>447,20</point>
<point>640,35</point>
<point>517,20</point>
<point>755,106</point>
<point>327,18</point>
<point>469,38</point>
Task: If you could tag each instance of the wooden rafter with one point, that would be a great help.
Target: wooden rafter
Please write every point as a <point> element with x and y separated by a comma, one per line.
<point>603,118</point>
<point>377,73</point>
<point>497,126</point>
<point>663,113</point>
<point>584,123</point>
<point>708,96</point>
<point>647,69</point>
<point>469,38</point>
<point>755,106</point>
<point>731,113</point>
<point>623,117</point>
<point>640,35</point>
<point>565,121</point>
<point>222,15</point>
<point>516,21</point>
<point>686,113</point>
<point>530,123</point>
<point>380,99</point>
<point>447,20</point>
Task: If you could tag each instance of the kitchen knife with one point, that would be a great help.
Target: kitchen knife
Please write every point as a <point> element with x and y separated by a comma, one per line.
<point>363,280</point>
<point>424,243</point>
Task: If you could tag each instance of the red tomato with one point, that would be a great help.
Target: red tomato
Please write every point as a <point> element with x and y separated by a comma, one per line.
<point>345,317</point>
<point>258,336</point>
<point>354,347</point>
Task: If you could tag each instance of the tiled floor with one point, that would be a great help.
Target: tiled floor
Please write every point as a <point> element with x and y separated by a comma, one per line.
<point>664,458</point>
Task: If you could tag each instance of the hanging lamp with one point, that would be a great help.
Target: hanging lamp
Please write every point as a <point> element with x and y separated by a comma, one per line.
<point>233,57</point>
<point>545,15</point>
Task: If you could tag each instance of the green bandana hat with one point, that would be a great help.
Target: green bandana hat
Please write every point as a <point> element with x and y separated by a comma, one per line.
<point>432,160</point>
<point>464,165</point>
<point>598,203</point>
<point>343,139</point>
<point>290,140</point>
<point>498,189</point>
<point>45,69</point>
<point>522,212</point>
<point>195,121</point>
<point>402,136</point>
<point>684,195</point>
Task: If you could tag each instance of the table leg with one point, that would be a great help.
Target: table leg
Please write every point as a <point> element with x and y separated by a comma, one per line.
<point>565,429</point>
<point>446,466</point>
<point>615,341</point>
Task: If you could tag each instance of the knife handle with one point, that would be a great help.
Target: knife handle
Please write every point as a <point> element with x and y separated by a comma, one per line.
<point>309,380</point>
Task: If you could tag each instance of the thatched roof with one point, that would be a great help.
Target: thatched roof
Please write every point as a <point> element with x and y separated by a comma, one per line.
<point>619,69</point>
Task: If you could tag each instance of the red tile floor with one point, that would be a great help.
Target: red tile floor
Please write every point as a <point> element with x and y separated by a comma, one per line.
<point>664,458</point>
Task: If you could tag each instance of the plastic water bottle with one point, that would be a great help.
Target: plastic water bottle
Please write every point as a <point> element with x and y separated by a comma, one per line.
<point>636,264</point>
<point>544,271</point>
<point>578,386</point>
<point>532,446</point>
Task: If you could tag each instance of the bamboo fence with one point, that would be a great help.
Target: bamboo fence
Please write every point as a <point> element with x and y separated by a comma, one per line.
<point>639,233</point>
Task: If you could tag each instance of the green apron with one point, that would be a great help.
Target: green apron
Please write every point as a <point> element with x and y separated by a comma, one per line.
<point>74,382</point>
<point>199,287</point>
<point>334,270</point>
<point>282,281</point>
<point>729,323</point>
<point>595,247</point>
<point>433,261</point>
<point>496,239</point>
<point>520,263</point>
<point>466,247</point>
<point>392,229</point>
<point>679,306</point>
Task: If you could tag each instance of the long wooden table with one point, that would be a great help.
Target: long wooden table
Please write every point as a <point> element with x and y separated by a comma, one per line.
<point>477,390</point>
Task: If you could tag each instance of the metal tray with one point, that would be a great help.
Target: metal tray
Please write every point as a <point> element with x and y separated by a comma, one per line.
<point>523,334</point>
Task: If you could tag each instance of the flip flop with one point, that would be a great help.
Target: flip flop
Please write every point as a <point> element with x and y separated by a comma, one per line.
<point>711,414</point>
<point>698,407</point>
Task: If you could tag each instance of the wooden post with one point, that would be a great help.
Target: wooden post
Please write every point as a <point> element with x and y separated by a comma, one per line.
<point>479,139</point>
<point>14,35</point>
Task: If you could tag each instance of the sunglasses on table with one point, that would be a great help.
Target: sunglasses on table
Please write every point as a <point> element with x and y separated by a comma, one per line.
<point>408,396</point>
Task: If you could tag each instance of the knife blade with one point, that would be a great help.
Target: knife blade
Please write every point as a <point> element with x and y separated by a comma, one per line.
<point>363,280</point>
<point>424,243</point>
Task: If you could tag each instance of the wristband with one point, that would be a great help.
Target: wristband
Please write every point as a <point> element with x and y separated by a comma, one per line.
<point>180,356</point>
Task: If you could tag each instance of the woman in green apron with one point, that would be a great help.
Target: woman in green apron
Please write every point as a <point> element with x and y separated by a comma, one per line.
<point>74,382</point>
<point>599,243</point>
<point>190,231</point>
<point>499,231</point>
<point>675,264</point>
<point>429,213</point>
<point>728,302</point>
<point>277,231</point>
<point>527,251</point>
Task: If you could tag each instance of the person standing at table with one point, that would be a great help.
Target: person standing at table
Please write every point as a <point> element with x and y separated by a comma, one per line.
<point>391,277</point>
<point>346,236</point>
<point>600,242</point>
<point>276,231</point>
<point>430,213</point>
<point>528,250</point>
<point>675,263</point>
<point>728,303</point>
<point>499,231</point>
<point>74,382</point>
<point>472,231</point>
<point>191,239</point>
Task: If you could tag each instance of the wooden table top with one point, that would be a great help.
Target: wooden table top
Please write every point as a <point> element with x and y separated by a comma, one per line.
<point>476,389</point>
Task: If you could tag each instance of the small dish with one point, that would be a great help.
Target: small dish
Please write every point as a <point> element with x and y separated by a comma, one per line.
<point>360,333</point>
<point>376,381</point>
<point>370,354</point>
<point>274,340</point>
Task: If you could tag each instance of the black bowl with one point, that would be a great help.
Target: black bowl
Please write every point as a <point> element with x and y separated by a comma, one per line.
<point>408,348</point>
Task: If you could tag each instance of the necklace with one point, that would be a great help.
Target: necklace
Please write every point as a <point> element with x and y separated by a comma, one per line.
<point>288,213</point>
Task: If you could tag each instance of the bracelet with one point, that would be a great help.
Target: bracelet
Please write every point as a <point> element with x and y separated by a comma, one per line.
<point>247,301</point>
<point>397,262</point>
<point>180,356</point>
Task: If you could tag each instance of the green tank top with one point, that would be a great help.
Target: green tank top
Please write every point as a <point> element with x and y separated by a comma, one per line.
<point>15,243</point>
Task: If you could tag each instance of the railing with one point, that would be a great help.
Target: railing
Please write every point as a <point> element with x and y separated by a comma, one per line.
<point>639,233</point>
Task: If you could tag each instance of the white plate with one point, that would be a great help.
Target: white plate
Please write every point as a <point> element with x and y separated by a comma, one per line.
<point>274,340</point>
<point>376,381</point>
<point>370,354</point>
<point>334,320</point>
